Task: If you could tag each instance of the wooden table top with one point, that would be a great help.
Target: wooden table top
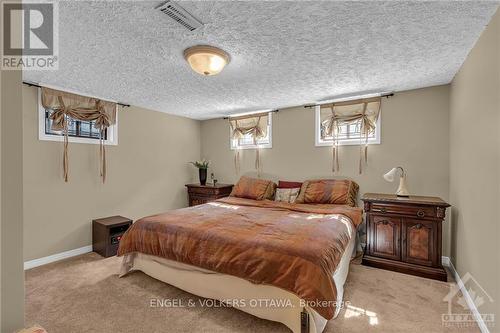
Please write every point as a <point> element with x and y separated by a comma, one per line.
<point>218,185</point>
<point>412,199</point>
<point>112,220</point>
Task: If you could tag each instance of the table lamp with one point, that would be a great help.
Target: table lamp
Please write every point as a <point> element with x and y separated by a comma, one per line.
<point>402,189</point>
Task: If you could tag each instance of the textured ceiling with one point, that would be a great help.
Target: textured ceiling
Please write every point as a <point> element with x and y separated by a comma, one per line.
<point>282,53</point>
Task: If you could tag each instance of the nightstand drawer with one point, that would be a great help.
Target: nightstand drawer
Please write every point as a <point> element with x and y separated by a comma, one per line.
<point>414,211</point>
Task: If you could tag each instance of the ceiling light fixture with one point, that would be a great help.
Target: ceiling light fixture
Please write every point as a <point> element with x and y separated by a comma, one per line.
<point>206,60</point>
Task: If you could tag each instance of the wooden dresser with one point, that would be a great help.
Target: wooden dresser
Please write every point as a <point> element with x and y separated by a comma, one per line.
<point>404,234</point>
<point>200,194</point>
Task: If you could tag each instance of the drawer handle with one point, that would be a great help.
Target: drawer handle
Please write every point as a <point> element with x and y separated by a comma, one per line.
<point>383,210</point>
<point>418,226</point>
<point>420,213</point>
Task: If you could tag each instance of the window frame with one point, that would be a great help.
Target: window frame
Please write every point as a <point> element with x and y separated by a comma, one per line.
<point>343,142</point>
<point>112,131</point>
<point>258,146</point>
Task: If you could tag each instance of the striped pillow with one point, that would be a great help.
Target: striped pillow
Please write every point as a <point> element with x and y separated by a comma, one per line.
<point>329,191</point>
<point>252,188</point>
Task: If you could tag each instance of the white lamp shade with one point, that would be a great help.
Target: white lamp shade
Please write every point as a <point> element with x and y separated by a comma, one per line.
<point>402,189</point>
<point>206,60</point>
<point>390,175</point>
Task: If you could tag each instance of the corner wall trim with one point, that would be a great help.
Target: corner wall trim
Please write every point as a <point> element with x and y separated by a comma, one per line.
<point>56,257</point>
<point>470,303</point>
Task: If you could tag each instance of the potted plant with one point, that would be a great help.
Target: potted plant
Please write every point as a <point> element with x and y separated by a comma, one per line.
<point>202,170</point>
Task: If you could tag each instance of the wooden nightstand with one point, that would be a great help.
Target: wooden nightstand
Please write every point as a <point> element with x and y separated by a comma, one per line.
<point>404,234</point>
<point>200,194</point>
<point>107,233</point>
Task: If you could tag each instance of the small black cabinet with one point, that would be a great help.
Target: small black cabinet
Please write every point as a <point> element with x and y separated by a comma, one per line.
<point>107,233</point>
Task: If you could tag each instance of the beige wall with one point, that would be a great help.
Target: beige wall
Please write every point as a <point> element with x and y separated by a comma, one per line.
<point>11,231</point>
<point>146,175</point>
<point>414,135</point>
<point>475,164</point>
<point>11,200</point>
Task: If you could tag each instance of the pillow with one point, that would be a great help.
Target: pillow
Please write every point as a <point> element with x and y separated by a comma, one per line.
<point>329,191</point>
<point>287,194</point>
<point>252,188</point>
<point>33,329</point>
<point>282,184</point>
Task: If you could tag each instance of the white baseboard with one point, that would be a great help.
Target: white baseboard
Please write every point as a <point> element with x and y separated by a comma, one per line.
<point>446,261</point>
<point>56,257</point>
<point>470,303</point>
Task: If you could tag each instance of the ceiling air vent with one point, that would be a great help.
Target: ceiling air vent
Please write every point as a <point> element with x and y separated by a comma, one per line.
<point>180,15</point>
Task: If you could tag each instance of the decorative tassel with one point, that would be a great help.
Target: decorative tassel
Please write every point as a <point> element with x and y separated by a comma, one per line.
<point>103,164</point>
<point>237,161</point>
<point>257,162</point>
<point>102,157</point>
<point>334,155</point>
<point>337,158</point>
<point>364,131</point>
<point>360,167</point>
<point>65,153</point>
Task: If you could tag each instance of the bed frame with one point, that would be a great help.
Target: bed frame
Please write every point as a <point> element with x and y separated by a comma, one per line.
<point>223,287</point>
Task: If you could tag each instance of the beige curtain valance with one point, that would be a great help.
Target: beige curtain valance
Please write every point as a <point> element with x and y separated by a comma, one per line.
<point>334,115</point>
<point>67,105</point>
<point>254,125</point>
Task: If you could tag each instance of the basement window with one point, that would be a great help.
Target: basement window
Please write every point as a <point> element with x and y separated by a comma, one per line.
<point>78,131</point>
<point>247,141</point>
<point>349,134</point>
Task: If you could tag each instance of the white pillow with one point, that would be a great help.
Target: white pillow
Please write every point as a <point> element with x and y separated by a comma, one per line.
<point>286,194</point>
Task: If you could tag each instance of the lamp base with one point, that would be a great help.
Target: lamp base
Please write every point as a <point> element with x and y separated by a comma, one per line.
<point>402,189</point>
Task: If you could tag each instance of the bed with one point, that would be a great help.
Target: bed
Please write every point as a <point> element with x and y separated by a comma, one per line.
<point>278,261</point>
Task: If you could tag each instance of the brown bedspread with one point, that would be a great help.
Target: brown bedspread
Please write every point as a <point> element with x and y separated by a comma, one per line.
<point>291,246</point>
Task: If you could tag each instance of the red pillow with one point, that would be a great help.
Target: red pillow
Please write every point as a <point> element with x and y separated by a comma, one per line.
<point>282,184</point>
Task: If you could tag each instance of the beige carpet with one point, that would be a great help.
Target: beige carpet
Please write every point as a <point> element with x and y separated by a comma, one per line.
<point>84,294</point>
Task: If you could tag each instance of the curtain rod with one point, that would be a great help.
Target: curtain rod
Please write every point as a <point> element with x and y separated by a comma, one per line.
<point>251,114</point>
<point>339,101</point>
<point>30,84</point>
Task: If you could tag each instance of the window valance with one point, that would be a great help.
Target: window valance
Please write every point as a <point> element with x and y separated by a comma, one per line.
<point>67,105</point>
<point>254,125</point>
<point>362,111</point>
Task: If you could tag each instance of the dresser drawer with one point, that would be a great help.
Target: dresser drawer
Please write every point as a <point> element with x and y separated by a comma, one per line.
<point>409,210</point>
